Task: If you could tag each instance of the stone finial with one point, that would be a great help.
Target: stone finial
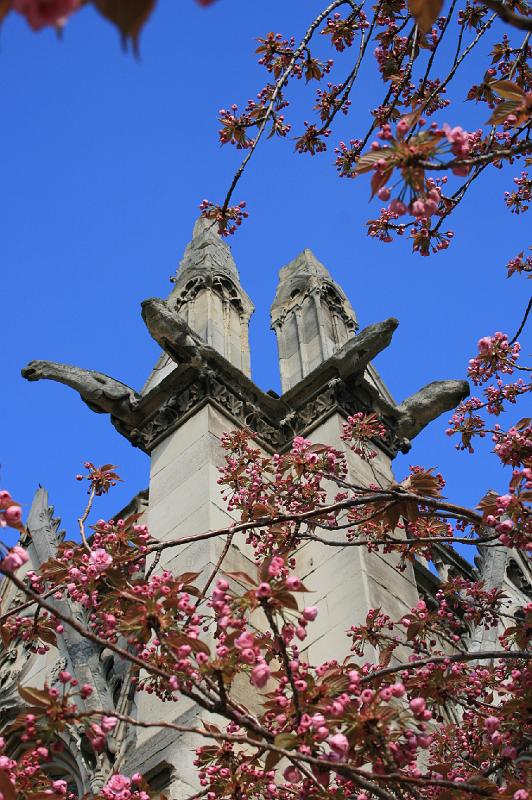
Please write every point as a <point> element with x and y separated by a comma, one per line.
<point>208,295</point>
<point>311,317</point>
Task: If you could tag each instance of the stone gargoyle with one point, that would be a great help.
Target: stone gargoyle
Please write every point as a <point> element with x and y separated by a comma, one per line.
<point>102,394</point>
<point>173,334</point>
<point>106,395</point>
<point>415,413</point>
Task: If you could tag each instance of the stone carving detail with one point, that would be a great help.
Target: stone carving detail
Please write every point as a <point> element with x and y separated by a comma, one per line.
<point>102,394</point>
<point>419,409</point>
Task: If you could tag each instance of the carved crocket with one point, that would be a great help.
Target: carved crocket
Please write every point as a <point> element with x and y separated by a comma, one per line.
<point>101,393</point>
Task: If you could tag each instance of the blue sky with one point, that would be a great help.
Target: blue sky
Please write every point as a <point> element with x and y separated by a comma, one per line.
<point>104,162</point>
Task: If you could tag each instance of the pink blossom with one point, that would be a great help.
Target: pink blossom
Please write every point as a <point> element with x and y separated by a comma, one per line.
<point>293,583</point>
<point>264,590</point>
<point>100,559</point>
<point>418,706</point>
<point>339,743</point>
<point>5,499</point>
<point>259,675</point>
<point>310,613</point>
<point>116,785</point>
<point>13,515</point>
<point>16,557</point>
<point>40,13</point>
<point>108,724</point>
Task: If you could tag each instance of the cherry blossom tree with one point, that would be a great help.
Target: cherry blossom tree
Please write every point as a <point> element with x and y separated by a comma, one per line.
<point>425,717</point>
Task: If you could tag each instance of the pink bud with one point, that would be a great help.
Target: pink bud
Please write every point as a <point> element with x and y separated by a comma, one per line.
<point>491,724</point>
<point>310,613</point>
<point>259,675</point>
<point>418,706</point>
<point>292,774</point>
<point>13,515</point>
<point>339,743</point>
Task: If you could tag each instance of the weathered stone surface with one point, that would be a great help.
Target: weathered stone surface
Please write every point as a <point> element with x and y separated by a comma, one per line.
<point>172,333</point>
<point>102,394</point>
<point>209,297</point>
<point>311,317</point>
<point>417,411</point>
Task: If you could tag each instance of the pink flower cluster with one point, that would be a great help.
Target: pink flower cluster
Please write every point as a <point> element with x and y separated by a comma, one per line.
<point>495,355</point>
<point>120,787</point>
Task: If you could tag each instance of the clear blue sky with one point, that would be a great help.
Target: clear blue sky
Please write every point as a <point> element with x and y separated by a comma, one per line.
<point>104,162</point>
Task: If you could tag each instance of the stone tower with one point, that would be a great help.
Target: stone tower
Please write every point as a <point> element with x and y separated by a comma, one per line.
<point>311,316</point>
<point>201,387</point>
<point>208,296</point>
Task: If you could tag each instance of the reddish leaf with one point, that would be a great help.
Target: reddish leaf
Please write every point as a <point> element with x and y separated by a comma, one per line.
<point>243,577</point>
<point>425,12</point>
<point>368,160</point>
<point>5,8</point>
<point>129,16</point>
<point>379,179</point>
<point>33,696</point>
<point>508,90</point>
<point>6,787</point>
<point>287,600</point>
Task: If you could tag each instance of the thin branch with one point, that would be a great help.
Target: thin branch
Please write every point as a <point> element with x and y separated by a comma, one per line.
<point>509,152</point>
<point>278,86</point>
<point>284,656</point>
<point>422,662</point>
<point>523,322</point>
<point>509,16</point>
<point>214,573</point>
<point>83,518</point>
<point>380,495</point>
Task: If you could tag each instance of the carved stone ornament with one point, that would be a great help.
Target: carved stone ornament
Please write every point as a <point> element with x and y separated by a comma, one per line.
<point>202,375</point>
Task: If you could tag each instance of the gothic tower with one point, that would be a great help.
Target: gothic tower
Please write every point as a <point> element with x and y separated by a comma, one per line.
<point>201,387</point>
<point>207,294</point>
<point>311,316</point>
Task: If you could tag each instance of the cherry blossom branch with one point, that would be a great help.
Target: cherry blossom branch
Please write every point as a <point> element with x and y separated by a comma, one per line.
<point>359,776</point>
<point>422,662</point>
<point>23,606</point>
<point>509,152</point>
<point>284,656</point>
<point>507,15</point>
<point>216,569</point>
<point>83,518</point>
<point>380,495</point>
<point>278,86</point>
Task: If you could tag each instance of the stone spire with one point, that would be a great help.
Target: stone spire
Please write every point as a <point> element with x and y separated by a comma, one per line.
<point>208,295</point>
<point>311,317</point>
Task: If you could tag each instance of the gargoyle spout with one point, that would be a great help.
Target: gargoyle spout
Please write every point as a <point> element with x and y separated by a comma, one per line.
<point>357,353</point>
<point>426,405</point>
<point>172,333</point>
<point>102,394</point>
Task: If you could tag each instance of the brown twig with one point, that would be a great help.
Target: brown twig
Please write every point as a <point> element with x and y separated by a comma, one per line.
<point>507,15</point>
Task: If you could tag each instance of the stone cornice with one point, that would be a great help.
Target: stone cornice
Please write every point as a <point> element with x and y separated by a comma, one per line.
<point>275,421</point>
